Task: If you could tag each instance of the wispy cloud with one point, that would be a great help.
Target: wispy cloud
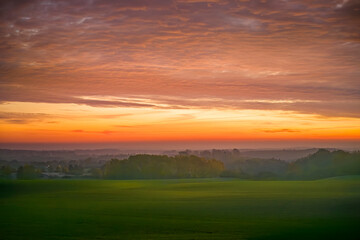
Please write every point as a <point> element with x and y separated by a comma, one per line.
<point>284,130</point>
<point>106,132</point>
<point>23,118</point>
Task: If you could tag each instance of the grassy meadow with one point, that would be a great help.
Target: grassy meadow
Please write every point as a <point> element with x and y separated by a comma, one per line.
<point>180,209</point>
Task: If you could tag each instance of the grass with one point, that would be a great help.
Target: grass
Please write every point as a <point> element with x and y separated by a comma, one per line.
<point>180,209</point>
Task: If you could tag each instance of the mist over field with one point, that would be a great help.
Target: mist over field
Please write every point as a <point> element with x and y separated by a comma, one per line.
<point>284,164</point>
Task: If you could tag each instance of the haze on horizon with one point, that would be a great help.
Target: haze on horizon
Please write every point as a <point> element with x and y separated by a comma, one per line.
<point>180,73</point>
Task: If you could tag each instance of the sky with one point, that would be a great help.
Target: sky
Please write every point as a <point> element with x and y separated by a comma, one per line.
<point>166,73</point>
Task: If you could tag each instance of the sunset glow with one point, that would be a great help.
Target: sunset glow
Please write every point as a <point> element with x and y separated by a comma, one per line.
<point>148,71</point>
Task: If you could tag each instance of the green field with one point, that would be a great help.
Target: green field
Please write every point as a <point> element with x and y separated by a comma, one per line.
<point>180,209</point>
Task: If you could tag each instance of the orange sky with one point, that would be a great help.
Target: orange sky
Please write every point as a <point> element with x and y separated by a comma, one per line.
<point>162,71</point>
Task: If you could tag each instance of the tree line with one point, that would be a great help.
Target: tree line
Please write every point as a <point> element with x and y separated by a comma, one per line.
<point>321,164</point>
<point>161,166</point>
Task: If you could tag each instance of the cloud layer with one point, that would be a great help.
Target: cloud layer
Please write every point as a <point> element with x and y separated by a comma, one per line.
<point>299,56</point>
